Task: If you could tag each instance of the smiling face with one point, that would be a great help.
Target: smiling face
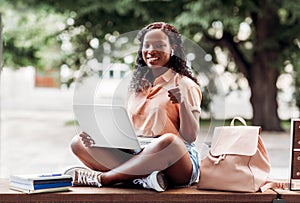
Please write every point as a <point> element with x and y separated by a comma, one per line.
<point>156,49</point>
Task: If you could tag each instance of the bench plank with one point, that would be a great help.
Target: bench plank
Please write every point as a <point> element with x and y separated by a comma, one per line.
<point>133,195</point>
<point>289,196</point>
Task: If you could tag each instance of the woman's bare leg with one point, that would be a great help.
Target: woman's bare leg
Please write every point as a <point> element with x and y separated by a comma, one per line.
<point>98,158</point>
<point>168,153</point>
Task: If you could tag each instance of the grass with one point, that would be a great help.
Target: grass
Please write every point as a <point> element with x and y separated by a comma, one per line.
<point>205,123</point>
<point>286,124</point>
<point>71,123</point>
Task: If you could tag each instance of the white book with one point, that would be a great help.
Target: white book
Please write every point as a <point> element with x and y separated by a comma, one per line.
<point>28,191</point>
<point>38,178</point>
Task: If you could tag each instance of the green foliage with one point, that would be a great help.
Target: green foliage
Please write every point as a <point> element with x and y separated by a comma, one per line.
<point>51,33</point>
<point>29,35</point>
<point>201,17</point>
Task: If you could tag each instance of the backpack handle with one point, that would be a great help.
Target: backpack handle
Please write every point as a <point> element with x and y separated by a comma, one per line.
<point>238,118</point>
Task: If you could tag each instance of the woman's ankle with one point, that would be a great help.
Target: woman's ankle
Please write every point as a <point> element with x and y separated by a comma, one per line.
<point>103,179</point>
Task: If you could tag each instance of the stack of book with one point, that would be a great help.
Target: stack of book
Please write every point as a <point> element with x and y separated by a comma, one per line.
<point>40,183</point>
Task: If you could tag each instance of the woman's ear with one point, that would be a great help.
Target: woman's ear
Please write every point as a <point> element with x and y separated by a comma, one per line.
<point>172,52</point>
<point>173,47</point>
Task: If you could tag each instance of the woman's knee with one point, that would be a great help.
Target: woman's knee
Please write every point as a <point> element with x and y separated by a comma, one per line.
<point>170,141</point>
<point>76,145</point>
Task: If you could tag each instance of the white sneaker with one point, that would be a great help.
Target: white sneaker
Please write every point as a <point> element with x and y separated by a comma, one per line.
<point>155,181</point>
<point>84,177</point>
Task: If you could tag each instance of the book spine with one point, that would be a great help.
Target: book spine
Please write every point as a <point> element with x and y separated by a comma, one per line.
<point>39,186</point>
<point>28,191</point>
<point>52,185</point>
<point>39,180</point>
<point>35,182</point>
<point>31,178</point>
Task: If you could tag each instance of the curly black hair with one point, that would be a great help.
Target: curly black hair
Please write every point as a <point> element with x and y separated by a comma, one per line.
<point>142,76</point>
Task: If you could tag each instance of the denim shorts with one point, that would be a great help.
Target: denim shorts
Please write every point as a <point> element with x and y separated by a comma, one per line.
<point>195,161</point>
<point>194,156</point>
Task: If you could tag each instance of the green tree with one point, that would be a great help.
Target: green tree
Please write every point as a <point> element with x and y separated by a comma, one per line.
<point>102,19</point>
<point>29,34</point>
<point>90,20</point>
<point>260,56</point>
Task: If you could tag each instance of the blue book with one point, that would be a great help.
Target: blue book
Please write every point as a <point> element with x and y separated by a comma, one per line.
<point>40,186</point>
<point>34,183</point>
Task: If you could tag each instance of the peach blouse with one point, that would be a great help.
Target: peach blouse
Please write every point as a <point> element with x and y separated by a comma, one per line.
<point>153,114</point>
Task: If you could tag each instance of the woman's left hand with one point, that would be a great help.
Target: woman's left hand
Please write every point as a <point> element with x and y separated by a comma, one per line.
<point>86,139</point>
<point>175,95</point>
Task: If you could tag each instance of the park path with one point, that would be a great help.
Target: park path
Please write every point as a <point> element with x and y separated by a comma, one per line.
<point>36,134</point>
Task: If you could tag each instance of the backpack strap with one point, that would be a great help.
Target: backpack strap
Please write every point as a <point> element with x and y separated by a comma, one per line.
<point>238,118</point>
<point>275,185</point>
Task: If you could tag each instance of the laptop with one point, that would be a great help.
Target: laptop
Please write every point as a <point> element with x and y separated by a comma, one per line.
<point>109,126</point>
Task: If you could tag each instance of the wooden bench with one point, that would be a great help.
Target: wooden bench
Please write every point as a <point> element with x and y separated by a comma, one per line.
<point>125,194</point>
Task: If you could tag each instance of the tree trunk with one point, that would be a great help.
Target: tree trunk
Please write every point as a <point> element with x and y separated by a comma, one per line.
<point>264,72</point>
<point>264,96</point>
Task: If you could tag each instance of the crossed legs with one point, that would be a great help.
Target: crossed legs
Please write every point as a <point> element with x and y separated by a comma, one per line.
<point>168,154</point>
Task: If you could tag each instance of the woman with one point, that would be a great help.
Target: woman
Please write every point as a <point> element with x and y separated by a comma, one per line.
<point>164,103</point>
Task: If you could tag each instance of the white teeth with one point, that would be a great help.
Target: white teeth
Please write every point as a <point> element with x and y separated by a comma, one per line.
<point>152,58</point>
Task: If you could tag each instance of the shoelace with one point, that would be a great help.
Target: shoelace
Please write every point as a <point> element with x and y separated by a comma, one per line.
<point>143,182</point>
<point>88,178</point>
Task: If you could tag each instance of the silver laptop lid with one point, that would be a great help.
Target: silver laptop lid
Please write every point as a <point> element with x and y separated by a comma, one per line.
<point>109,126</point>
